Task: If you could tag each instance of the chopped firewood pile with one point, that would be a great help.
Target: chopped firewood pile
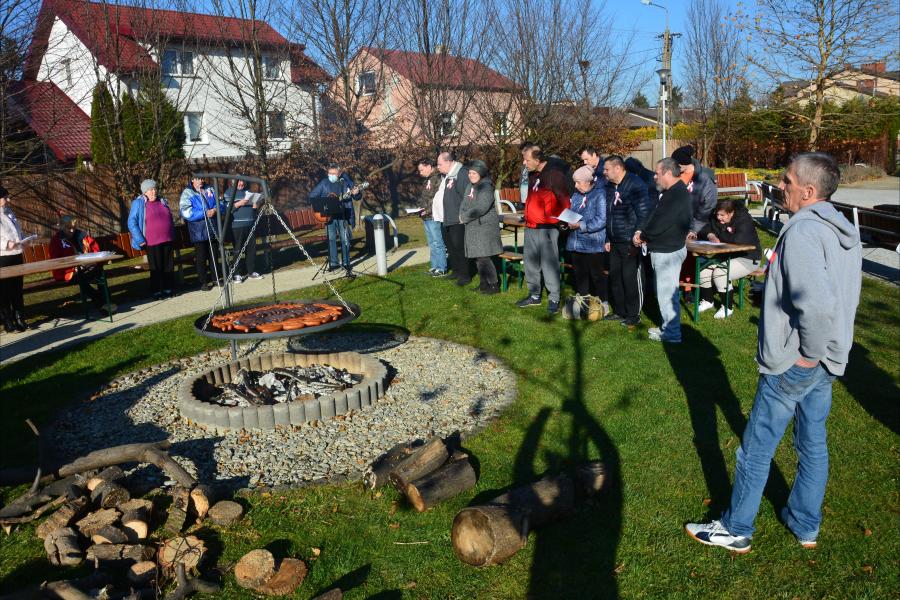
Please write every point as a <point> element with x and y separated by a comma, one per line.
<point>290,384</point>
<point>277,317</point>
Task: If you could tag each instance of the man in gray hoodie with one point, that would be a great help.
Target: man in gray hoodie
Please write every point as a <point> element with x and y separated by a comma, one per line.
<point>805,333</point>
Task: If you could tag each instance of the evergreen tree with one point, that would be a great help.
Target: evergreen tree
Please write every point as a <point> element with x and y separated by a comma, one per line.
<point>102,125</point>
<point>640,101</point>
<point>161,124</point>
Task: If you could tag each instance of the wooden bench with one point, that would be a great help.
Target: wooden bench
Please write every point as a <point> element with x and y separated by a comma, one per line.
<point>874,225</point>
<point>733,185</point>
<point>773,204</point>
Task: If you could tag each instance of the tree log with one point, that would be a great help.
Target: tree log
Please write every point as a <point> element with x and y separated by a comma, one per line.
<point>62,547</point>
<point>188,551</point>
<point>178,510</point>
<point>142,573</point>
<point>254,569</point>
<point>378,473</point>
<point>96,521</point>
<point>8,522</point>
<point>68,513</point>
<point>71,486</point>
<point>66,590</point>
<point>201,500</point>
<point>189,585</point>
<point>543,501</point>
<point>446,482</point>
<point>119,555</point>
<point>488,535</point>
<point>109,535</point>
<point>287,578</point>
<point>136,518</point>
<point>108,494</point>
<point>225,512</point>
<point>109,474</point>
<point>421,462</point>
<point>152,453</point>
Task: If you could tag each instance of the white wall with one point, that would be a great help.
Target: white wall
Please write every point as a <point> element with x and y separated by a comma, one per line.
<point>226,132</point>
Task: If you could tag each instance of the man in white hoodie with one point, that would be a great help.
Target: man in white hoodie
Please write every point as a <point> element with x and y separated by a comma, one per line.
<point>812,289</point>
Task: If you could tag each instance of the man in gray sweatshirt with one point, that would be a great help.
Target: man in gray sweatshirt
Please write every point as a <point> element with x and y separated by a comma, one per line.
<point>805,333</point>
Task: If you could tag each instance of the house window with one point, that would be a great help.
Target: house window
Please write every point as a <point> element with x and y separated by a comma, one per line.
<point>193,127</point>
<point>446,124</point>
<point>177,62</point>
<point>365,83</point>
<point>66,66</point>
<point>271,67</point>
<point>501,124</point>
<point>277,129</point>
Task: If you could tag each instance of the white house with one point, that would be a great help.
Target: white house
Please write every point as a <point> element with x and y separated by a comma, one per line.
<point>203,62</point>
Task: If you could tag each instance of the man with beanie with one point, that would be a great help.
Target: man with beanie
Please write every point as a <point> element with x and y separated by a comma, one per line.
<point>701,185</point>
<point>627,210</point>
<point>665,234</point>
<point>805,335</point>
<point>548,195</point>
<point>452,188</point>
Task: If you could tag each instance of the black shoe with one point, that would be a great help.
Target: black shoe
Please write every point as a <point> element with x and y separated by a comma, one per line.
<point>19,322</point>
<point>168,293</point>
<point>552,307</point>
<point>613,317</point>
<point>490,290</point>
<point>157,295</point>
<point>529,301</point>
<point>349,274</point>
<point>463,282</point>
<point>630,322</point>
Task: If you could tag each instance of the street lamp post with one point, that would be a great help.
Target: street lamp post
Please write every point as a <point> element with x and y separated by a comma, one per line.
<point>665,73</point>
<point>664,85</point>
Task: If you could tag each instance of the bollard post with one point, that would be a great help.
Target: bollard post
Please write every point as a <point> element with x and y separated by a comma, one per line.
<point>380,254</point>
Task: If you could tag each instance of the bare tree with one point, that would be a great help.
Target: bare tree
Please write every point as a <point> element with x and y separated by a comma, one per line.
<point>714,69</point>
<point>816,40</point>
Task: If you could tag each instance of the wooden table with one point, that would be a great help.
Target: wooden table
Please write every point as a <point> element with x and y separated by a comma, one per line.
<point>64,262</point>
<point>708,254</point>
<point>514,222</point>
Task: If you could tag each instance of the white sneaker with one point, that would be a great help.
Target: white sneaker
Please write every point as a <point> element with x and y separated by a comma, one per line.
<point>254,275</point>
<point>723,313</point>
<point>715,534</point>
<point>705,305</point>
<point>238,278</point>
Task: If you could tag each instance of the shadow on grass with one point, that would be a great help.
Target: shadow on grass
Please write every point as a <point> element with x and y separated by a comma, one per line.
<point>874,388</point>
<point>699,369</point>
<point>351,580</point>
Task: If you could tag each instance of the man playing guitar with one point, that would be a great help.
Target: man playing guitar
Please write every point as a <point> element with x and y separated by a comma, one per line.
<point>334,195</point>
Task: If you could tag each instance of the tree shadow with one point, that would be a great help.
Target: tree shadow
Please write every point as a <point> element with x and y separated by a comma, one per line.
<point>351,580</point>
<point>703,378</point>
<point>874,388</point>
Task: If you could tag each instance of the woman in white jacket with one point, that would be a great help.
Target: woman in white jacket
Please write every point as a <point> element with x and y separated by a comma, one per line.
<point>12,304</point>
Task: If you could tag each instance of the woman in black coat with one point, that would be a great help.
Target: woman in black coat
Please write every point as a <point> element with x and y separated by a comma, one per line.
<point>730,224</point>
<point>479,214</point>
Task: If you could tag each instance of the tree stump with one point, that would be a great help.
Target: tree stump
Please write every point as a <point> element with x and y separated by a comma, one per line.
<point>62,547</point>
<point>446,482</point>
<point>109,535</point>
<point>378,473</point>
<point>67,514</point>
<point>96,521</point>
<point>225,512</point>
<point>178,510</point>
<point>109,474</point>
<point>142,573</point>
<point>188,551</point>
<point>254,569</point>
<point>119,555</point>
<point>488,535</point>
<point>287,578</point>
<point>136,518</point>
<point>201,500</point>
<point>543,501</point>
<point>421,462</point>
<point>108,494</point>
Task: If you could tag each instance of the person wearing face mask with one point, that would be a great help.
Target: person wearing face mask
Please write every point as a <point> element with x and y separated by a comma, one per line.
<point>337,184</point>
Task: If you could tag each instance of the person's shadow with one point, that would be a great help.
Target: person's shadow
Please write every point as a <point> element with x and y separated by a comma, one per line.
<point>703,378</point>
<point>873,388</point>
<point>578,553</point>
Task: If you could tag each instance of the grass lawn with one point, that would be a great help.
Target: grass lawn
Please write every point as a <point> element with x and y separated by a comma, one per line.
<point>666,420</point>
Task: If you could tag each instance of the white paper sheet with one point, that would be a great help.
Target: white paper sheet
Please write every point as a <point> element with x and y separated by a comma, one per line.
<point>569,216</point>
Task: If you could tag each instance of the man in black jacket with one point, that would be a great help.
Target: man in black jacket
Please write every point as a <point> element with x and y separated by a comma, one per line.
<point>701,185</point>
<point>452,189</point>
<point>665,234</point>
<point>627,209</point>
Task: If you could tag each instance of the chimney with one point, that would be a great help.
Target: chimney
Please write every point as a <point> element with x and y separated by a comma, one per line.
<point>874,68</point>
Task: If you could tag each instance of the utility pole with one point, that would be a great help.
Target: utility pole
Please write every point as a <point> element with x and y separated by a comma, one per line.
<point>665,77</point>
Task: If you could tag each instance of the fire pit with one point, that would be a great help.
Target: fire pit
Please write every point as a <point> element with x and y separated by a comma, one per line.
<point>302,388</point>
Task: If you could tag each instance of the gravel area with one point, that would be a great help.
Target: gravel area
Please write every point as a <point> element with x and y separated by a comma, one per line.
<point>435,388</point>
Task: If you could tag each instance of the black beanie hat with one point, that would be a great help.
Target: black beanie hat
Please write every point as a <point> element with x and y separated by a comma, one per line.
<point>683,155</point>
<point>480,167</point>
<point>4,193</point>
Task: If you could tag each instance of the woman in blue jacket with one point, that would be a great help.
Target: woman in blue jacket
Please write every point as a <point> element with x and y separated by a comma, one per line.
<point>152,230</point>
<point>198,207</point>
<point>587,239</point>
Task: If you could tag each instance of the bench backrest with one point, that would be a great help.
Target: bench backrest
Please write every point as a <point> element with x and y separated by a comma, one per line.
<point>875,226</point>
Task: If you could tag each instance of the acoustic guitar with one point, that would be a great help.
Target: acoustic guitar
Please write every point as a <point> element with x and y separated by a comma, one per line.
<point>324,218</point>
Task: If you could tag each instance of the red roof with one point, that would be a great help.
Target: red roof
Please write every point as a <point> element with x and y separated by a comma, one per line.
<point>443,70</point>
<point>54,117</point>
<point>114,33</point>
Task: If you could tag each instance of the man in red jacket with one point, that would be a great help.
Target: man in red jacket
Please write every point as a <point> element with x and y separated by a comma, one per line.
<point>69,241</point>
<point>548,195</point>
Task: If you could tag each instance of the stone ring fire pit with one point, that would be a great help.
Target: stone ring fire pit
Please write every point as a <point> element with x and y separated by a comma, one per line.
<point>195,393</point>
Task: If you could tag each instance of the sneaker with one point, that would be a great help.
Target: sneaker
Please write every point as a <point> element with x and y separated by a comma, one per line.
<point>238,278</point>
<point>349,274</point>
<point>529,301</point>
<point>715,534</point>
<point>254,275</point>
<point>613,317</point>
<point>553,306</point>
<point>167,293</point>
<point>158,295</point>
<point>438,273</point>
<point>722,313</point>
<point>705,305</point>
<point>630,322</point>
<point>431,271</point>
<point>655,334</point>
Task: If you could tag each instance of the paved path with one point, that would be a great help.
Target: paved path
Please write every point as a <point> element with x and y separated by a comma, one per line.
<point>138,313</point>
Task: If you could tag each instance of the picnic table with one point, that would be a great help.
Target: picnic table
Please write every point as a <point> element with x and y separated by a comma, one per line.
<point>64,262</point>
<point>711,254</point>
<point>513,222</point>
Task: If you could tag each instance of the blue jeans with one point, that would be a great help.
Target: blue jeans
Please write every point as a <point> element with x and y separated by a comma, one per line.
<point>436,248</point>
<point>805,395</point>
<point>666,269</point>
<point>335,228</point>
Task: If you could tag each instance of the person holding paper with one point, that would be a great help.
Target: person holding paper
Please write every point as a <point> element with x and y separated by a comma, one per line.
<point>243,218</point>
<point>152,230</point>
<point>12,303</point>
<point>587,240</point>
<point>479,215</point>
